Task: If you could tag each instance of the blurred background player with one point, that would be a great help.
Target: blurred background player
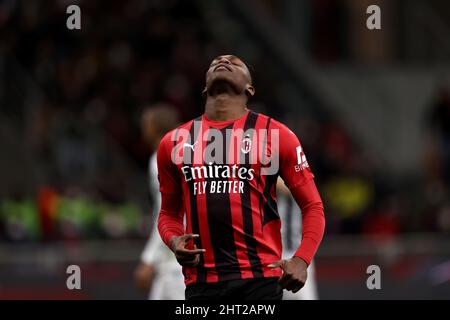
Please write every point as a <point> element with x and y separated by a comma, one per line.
<point>158,273</point>
<point>291,230</point>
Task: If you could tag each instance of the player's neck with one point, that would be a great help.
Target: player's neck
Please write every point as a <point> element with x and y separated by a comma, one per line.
<point>224,107</point>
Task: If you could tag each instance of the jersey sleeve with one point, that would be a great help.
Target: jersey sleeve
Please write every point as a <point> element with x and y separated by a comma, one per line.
<point>294,168</point>
<point>168,175</point>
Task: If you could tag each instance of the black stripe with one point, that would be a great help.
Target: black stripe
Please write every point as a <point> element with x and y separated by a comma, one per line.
<point>270,207</point>
<point>218,209</point>
<point>250,240</point>
<point>193,133</point>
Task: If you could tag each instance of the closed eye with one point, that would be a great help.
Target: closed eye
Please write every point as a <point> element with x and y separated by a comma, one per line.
<point>235,63</point>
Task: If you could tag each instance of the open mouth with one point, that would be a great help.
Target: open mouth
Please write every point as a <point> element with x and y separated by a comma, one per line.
<point>222,67</point>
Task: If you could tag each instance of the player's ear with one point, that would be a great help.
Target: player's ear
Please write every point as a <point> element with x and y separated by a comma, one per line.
<point>250,90</point>
<point>204,92</point>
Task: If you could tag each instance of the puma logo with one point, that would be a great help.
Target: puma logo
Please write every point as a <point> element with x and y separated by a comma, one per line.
<point>190,145</point>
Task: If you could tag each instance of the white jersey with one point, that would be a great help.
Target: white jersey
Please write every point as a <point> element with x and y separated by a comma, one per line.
<point>168,283</point>
<point>291,230</point>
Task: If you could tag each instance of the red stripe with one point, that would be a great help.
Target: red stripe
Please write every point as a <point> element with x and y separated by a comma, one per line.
<point>209,263</point>
<point>190,274</point>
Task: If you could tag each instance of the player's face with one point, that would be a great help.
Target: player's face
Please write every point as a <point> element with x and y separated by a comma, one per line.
<point>230,69</point>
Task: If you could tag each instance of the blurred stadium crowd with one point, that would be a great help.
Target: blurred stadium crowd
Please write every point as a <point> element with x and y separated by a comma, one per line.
<point>84,168</point>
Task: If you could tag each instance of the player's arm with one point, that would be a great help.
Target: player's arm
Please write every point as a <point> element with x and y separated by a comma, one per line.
<point>298,177</point>
<point>170,219</point>
<point>313,220</point>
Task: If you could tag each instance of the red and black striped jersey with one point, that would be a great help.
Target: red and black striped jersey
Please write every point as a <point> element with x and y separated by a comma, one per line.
<point>226,174</point>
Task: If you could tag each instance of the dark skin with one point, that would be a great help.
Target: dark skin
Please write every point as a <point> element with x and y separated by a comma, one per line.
<point>186,257</point>
<point>228,88</point>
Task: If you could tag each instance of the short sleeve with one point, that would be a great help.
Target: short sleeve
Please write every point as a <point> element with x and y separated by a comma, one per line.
<point>168,175</point>
<point>294,168</point>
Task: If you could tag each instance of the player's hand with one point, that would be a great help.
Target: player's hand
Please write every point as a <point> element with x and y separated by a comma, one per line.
<point>186,257</point>
<point>294,273</point>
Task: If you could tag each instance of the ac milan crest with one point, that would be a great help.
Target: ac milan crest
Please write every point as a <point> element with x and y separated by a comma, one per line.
<point>246,145</point>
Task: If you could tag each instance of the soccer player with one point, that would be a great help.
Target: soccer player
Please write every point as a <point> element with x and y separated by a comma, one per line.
<point>221,169</point>
<point>158,273</point>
